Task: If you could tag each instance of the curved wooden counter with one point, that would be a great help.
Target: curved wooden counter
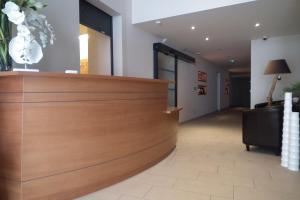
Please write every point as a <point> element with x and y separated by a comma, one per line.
<point>63,136</point>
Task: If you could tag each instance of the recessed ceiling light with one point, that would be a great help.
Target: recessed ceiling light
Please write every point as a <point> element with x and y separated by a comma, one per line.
<point>232,61</point>
<point>206,38</point>
<point>257,25</point>
<point>193,27</point>
<point>157,22</point>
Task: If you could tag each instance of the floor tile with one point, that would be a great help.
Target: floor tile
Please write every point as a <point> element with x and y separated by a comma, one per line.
<point>129,198</point>
<point>101,195</point>
<point>225,179</point>
<point>204,187</point>
<point>183,171</point>
<point>244,193</point>
<point>210,163</point>
<point>220,198</point>
<point>157,180</point>
<point>132,188</point>
<point>172,194</point>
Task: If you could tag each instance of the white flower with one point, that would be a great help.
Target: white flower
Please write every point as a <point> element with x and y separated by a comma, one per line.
<point>39,5</point>
<point>13,12</point>
<point>44,39</point>
<point>23,30</point>
<point>25,50</point>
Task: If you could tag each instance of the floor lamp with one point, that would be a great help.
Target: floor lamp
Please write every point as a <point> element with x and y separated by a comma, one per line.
<point>276,67</point>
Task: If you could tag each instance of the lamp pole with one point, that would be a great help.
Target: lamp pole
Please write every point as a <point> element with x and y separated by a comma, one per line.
<point>274,82</point>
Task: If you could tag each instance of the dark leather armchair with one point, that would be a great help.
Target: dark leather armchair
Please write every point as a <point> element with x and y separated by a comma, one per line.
<point>263,127</point>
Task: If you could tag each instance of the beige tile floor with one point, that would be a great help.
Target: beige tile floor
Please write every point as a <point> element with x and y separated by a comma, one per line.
<point>210,163</point>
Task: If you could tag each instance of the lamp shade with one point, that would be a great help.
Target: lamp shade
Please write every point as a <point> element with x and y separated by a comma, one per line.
<point>278,67</point>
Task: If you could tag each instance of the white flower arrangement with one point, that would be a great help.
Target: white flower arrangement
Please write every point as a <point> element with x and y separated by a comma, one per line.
<point>24,48</point>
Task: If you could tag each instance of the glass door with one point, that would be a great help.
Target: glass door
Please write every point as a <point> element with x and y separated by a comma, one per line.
<point>167,71</point>
<point>166,68</point>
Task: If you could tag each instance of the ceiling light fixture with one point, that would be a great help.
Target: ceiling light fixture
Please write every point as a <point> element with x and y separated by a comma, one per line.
<point>193,28</point>
<point>257,25</point>
<point>206,38</point>
<point>232,61</point>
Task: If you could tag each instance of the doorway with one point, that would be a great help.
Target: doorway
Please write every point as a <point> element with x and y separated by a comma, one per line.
<point>96,40</point>
<point>240,91</point>
<point>95,54</point>
<point>166,68</point>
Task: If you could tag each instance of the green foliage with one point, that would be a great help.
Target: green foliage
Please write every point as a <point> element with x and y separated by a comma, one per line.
<point>33,4</point>
<point>5,36</point>
<point>293,88</point>
<point>5,28</point>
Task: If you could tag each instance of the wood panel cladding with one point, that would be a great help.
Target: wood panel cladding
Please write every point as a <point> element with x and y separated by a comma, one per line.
<point>85,130</point>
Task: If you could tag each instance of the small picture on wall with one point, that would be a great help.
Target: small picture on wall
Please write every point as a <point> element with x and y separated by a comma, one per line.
<point>202,76</point>
<point>202,90</point>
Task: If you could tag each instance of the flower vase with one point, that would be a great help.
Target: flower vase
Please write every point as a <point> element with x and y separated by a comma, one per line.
<point>286,129</point>
<point>294,145</point>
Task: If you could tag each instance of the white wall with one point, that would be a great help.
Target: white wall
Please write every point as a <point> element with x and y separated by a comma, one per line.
<point>64,54</point>
<point>137,45</point>
<point>147,10</point>
<point>133,48</point>
<point>194,105</point>
<point>286,47</point>
<point>133,56</point>
<point>99,53</point>
<point>118,45</point>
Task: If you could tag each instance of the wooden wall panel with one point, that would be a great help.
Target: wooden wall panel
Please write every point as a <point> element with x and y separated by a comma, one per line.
<point>10,190</point>
<point>11,84</point>
<point>10,140</point>
<point>63,136</point>
<point>88,96</point>
<point>78,183</point>
<point>79,84</point>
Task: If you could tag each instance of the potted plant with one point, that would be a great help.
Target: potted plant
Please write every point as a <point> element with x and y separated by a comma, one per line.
<point>32,29</point>
<point>5,37</point>
<point>295,89</point>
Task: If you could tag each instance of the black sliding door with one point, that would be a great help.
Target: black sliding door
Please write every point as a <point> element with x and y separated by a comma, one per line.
<point>166,68</point>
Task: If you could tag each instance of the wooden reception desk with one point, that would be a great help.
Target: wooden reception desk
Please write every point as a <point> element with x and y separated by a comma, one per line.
<point>63,136</point>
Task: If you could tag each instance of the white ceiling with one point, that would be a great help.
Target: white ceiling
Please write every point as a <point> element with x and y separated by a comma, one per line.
<point>230,29</point>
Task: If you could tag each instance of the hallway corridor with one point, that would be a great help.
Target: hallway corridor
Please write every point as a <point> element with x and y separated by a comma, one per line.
<point>210,163</point>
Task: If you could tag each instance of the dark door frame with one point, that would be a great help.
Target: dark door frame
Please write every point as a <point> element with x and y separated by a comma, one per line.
<point>98,20</point>
<point>162,48</point>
